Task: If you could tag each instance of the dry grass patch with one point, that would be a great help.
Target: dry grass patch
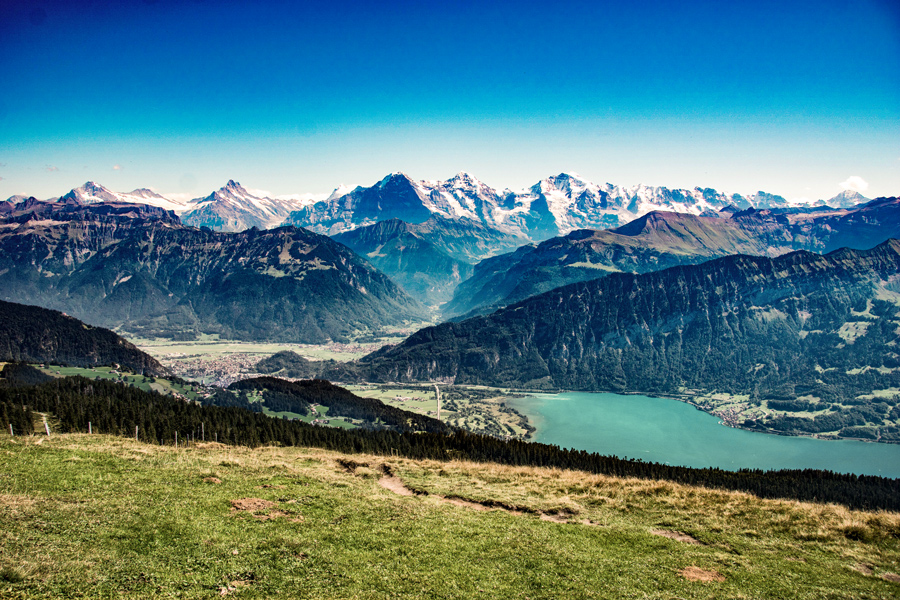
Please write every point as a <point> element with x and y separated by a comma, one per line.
<point>677,536</point>
<point>698,574</point>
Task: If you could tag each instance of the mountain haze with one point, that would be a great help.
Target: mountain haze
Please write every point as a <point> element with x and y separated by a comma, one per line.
<point>428,259</point>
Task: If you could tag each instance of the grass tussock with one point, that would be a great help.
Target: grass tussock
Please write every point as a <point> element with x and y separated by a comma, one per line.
<point>97,516</point>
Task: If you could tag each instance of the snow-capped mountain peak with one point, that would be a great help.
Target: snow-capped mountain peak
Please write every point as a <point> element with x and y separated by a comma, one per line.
<point>846,199</point>
<point>146,193</point>
<point>339,191</point>
<point>90,193</point>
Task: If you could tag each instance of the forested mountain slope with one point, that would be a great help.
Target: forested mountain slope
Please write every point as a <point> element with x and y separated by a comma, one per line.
<point>137,268</point>
<point>822,329</point>
<point>34,334</point>
<point>664,239</point>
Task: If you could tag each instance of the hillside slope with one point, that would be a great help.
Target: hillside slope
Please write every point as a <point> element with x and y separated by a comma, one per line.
<point>137,268</point>
<point>802,325</point>
<point>298,522</point>
<point>38,335</point>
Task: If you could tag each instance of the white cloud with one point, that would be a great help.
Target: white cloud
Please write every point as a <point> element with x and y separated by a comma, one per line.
<point>259,193</point>
<point>855,183</point>
<point>117,167</point>
<point>51,168</point>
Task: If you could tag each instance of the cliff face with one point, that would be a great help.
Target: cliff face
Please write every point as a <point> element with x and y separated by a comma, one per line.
<point>147,274</point>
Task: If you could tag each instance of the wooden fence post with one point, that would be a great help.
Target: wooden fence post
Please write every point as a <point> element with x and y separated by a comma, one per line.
<point>10,430</point>
<point>135,432</point>
<point>90,430</point>
<point>47,428</point>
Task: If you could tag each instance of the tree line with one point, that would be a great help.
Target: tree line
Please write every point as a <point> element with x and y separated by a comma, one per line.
<point>115,409</point>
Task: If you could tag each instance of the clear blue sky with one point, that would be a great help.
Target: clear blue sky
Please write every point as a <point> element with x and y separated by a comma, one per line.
<point>787,97</point>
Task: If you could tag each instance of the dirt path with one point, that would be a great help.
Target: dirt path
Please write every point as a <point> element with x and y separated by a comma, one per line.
<point>391,482</point>
<point>394,484</point>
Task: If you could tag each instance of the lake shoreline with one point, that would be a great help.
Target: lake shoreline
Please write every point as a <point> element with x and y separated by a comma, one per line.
<point>655,429</point>
<point>725,419</point>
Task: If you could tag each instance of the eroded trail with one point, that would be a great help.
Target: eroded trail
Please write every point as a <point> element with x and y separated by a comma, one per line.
<point>391,482</point>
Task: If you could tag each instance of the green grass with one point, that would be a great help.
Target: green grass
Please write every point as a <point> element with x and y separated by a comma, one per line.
<point>103,517</point>
<point>322,413</point>
<point>163,386</point>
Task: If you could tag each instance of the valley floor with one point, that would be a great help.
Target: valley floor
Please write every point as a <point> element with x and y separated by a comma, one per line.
<point>99,516</point>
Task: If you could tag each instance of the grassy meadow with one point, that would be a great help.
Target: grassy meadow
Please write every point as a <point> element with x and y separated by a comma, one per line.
<point>107,517</point>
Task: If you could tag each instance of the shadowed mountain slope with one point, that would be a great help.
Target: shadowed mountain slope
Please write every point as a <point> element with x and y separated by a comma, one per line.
<point>137,268</point>
<point>664,239</point>
<point>34,334</point>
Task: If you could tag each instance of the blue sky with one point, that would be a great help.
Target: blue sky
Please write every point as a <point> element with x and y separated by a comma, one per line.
<point>792,98</point>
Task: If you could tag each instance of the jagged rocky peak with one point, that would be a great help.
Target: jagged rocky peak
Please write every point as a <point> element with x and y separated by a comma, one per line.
<point>395,179</point>
<point>232,189</point>
<point>464,180</point>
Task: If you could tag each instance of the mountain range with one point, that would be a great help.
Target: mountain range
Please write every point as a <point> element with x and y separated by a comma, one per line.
<point>553,206</point>
<point>663,239</point>
<point>136,267</point>
<point>818,332</point>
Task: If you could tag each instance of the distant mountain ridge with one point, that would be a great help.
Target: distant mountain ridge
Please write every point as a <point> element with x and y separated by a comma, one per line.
<point>664,239</point>
<point>429,259</point>
<point>136,267</point>
<point>553,206</point>
<point>233,208</point>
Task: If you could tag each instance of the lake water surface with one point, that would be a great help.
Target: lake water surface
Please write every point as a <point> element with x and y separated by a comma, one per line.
<point>672,432</point>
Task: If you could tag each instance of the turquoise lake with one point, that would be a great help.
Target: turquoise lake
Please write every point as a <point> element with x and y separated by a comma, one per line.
<point>671,432</point>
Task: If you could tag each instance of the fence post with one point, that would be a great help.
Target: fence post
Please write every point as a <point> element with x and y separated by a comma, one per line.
<point>135,432</point>
<point>47,428</point>
<point>202,432</point>
<point>176,439</point>
<point>10,430</point>
<point>90,430</point>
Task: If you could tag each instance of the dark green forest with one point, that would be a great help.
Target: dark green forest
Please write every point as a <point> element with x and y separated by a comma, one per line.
<point>35,334</point>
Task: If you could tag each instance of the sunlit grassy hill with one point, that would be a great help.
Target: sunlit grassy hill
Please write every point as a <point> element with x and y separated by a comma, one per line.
<point>100,516</point>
